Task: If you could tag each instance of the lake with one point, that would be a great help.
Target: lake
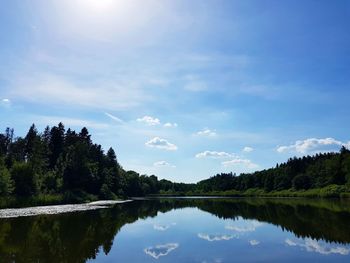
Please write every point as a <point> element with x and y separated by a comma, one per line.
<point>185,230</point>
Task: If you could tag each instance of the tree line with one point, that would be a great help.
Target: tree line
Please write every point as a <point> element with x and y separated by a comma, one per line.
<point>67,163</point>
<point>308,172</point>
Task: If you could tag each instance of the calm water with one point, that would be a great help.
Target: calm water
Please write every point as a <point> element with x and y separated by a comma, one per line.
<point>185,230</point>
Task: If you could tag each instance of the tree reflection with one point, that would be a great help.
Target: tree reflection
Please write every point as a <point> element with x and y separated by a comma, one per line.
<point>77,237</point>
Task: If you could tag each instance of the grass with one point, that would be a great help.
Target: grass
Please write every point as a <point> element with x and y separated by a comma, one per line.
<point>16,202</point>
<point>69,197</point>
<point>330,191</point>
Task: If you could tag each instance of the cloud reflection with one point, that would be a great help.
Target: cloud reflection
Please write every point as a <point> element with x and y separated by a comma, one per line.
<point>163,227</point>
<point>161,250</point>
<point>312,245</point>
<point>250,226</point>
<point>217,260</point>
<point>254,242</point>
<point>215,237</point>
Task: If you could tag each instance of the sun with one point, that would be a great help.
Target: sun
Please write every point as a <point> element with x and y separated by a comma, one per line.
<point>100,5</point>
<point>101,20</point>
<point>93,14</point>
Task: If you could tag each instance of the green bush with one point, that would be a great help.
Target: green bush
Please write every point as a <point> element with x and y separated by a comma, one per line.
<point>26,183</point>
<point>106,193</point>
<point>78,196</point>
<point>6,183</point>
<point>301,181</point>
<point>332,190</point>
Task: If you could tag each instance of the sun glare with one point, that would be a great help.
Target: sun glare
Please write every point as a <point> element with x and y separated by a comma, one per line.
<point>102,20</point>
<point>100,5</point>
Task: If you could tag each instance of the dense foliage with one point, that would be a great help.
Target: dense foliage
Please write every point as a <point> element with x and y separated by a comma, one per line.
<point>60,162</point>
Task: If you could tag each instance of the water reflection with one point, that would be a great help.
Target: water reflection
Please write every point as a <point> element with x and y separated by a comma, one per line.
<point>247,226</point>
<point>312,245</point>
<point>161,250</point>
<point>163,227</point>
<point>254,242</point>
<point>215,237</point>
<point>142,231</point>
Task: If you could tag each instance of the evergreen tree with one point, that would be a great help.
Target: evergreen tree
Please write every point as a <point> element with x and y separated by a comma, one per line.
<point>25,180</point>
<point>6,182</point>
<point>56,144</point>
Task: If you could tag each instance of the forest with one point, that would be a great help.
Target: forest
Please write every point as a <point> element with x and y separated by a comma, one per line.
<point>59,165</point>
<point>64,165</point>
<point>328,171</point>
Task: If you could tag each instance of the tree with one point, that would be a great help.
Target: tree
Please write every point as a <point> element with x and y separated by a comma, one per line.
<point>56,144</point>
<point>6,183</point>
<point>301,181</point>
<point>16,152</point>
<point>25,179</point>
<point>112,174</point>
<point>30,140</point>
<point>111,158</point>
<point>5,141</point>
<point>344,150</point>
<point>36,151</point>
<point>84,135</point>
<point>132,185</point>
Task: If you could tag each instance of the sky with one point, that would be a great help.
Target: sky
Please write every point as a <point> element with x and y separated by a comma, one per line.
<point>181,89</point>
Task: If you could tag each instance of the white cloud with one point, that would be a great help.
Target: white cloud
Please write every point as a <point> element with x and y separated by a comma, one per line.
<point>214,154</point>
<point>163,164</point>
<point>114,117</point>
<point>254,242</point>
<point>236,161</point>
<point>114,94</point>
<point>160,143</point>
<point>161,250</point>
<point>152,121</point>
<point>248,149</point>
<point>5,102</point>
<point>243,162</point>
<point>215,237</point>
<point>170,125</point>
<point>149,120</point>
<point>206,132</point>
<point>324,248</point>
<point>313,145</point>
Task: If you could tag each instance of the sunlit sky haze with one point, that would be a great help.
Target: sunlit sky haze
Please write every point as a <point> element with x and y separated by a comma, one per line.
<point>181,89</point>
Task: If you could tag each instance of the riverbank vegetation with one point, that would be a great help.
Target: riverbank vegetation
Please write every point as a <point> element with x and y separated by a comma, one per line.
<point>61,166</point>
<point>322,175</point>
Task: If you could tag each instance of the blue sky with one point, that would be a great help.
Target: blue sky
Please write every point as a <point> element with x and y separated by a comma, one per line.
<point>181,89</point>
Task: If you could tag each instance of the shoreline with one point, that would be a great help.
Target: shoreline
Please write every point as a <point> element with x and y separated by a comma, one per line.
<point>58,209</point>
<point>330,191</point>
